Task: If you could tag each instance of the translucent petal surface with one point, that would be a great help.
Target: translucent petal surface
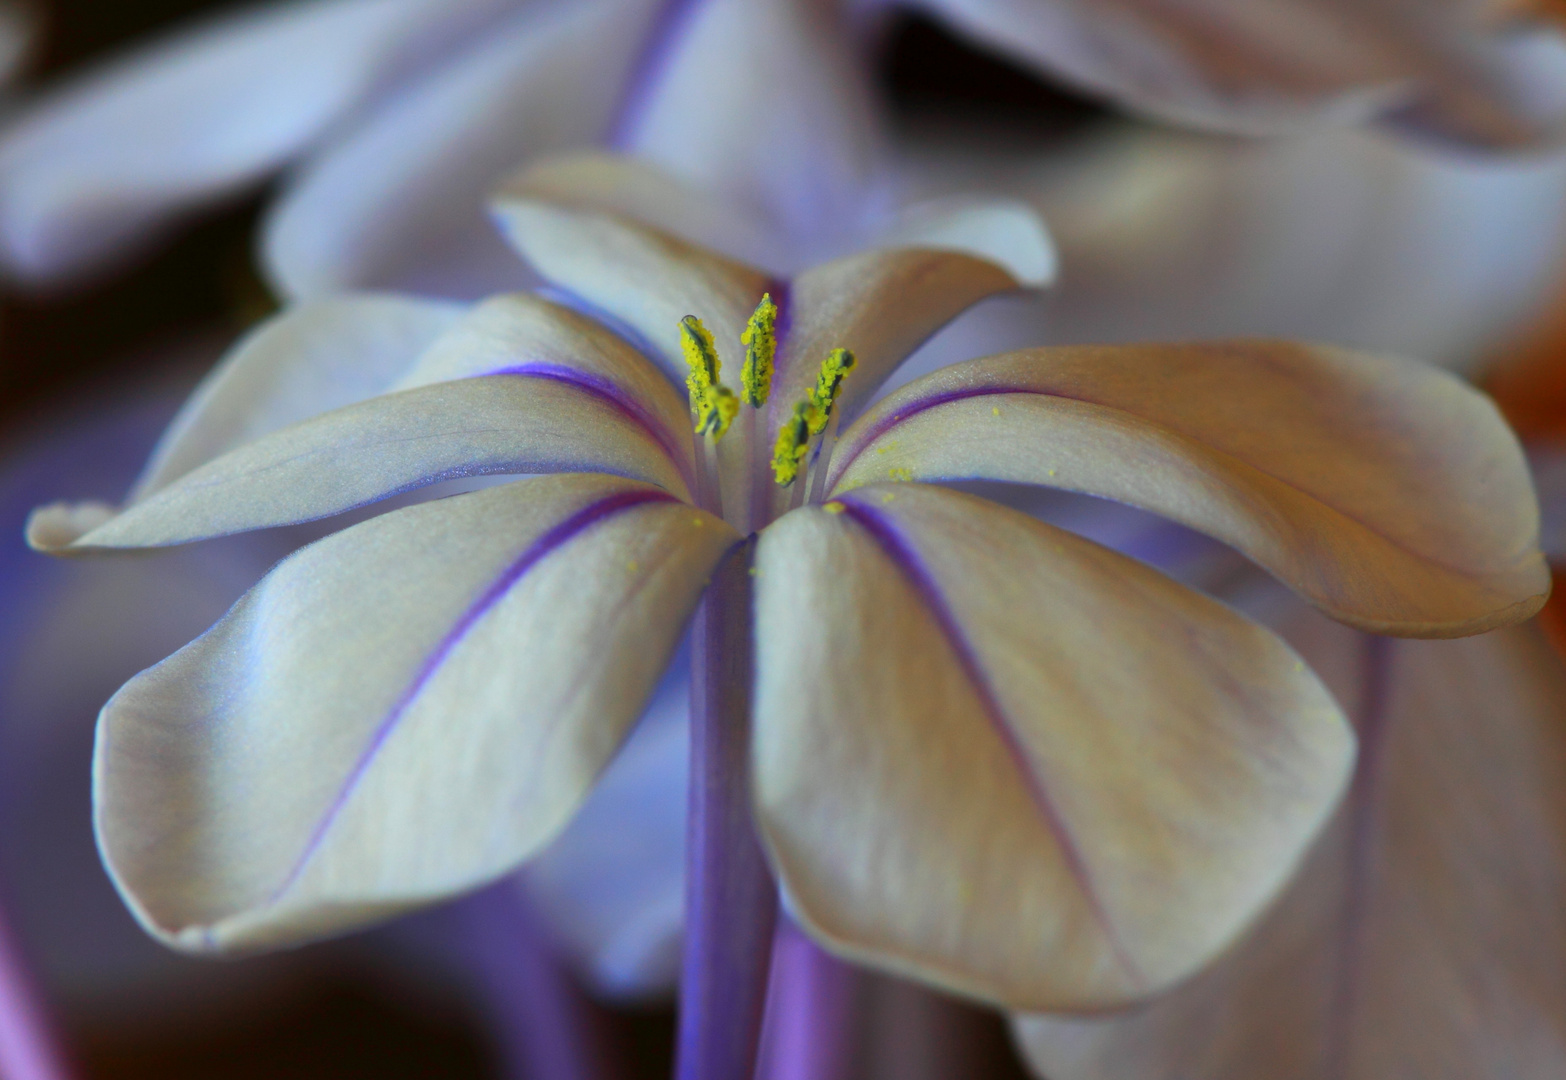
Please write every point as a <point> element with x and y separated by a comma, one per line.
<point>1390,494</point>
<point>998,757</point>
<point>401,711</point>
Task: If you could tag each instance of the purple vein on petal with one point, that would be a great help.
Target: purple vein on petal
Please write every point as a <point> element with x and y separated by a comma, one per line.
<point>561,534</point>
<point>610,321</point>
<point>663,34</point>
<point>610,394</point>
<point>1372,721</point>
<point>911,409</point>
<point>902,555</point>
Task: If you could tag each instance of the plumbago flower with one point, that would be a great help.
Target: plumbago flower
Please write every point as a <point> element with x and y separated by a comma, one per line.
<point>980,751</point>
<point>397,116</point>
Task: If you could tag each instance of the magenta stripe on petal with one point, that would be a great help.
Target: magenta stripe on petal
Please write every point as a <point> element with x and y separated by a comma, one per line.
<point>562,533</point>
<point>902,555</point>
<point>601,388</point>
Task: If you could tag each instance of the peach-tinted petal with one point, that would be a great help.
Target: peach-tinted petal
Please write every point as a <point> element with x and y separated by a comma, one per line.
<point>1389,493</point>
<point>404,710</point>
<point>1004,759</point>
<point>1425,938</point>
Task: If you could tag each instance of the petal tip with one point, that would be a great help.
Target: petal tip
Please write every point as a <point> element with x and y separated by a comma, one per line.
<point>58,526</point>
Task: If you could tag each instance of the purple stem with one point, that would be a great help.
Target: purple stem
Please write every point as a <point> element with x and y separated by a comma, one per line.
<point>548,1029</point>
<point>815,1009</point>
<point>28,1050</point>
<point>730,899</point>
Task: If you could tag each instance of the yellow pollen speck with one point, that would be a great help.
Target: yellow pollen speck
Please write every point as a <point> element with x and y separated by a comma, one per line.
<point>1050,472</point>
<point>833,507</point>
<point>887,448</point>
<point>900,474</point>
<point>1298,666</point>
<point>761,344</point>
<point>631,566</point>
<point>887,497</point>
<point>994,410</point>
<point>698,522</point>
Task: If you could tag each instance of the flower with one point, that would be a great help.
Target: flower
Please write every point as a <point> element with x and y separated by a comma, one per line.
<point>397,116</point>
<point>987,753</point>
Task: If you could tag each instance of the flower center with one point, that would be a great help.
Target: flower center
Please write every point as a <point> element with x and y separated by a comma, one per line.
<point>802,451</point>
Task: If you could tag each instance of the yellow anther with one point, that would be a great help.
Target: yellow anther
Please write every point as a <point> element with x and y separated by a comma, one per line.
<point>793,443</point>
<point>829,382</point>
<point>761,345</point>
<point>712,404</point>
<point>995,410</point>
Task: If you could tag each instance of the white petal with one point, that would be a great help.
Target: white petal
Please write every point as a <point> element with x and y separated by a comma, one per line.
<point>101,161</point>
<point>404,710</point>
<point>1007,761</point>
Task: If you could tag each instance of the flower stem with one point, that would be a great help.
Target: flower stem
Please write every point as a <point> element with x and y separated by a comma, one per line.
<point>27,1047</point>
<point>730,899</point>
<point>815,1009</point>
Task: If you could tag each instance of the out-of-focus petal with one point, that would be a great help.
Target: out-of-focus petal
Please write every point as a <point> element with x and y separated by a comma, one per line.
<point>402,711</point>
<point>400,200</point>
<point>1014,763</point>
<point>792,134</point>
<point>1346,236</point>
<point>104,159</point>
<point>1389,493</point>
<point>1423,939</point>
<point>1269,66</point>
<point>309,359</point>
<point>613,883</point>
<point>361,454</point>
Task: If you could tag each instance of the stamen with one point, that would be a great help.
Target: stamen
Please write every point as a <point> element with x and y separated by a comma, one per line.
<point>761,344</point>
<point>712,404</point>
<point>829,383</point>
<point>793,443</point>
